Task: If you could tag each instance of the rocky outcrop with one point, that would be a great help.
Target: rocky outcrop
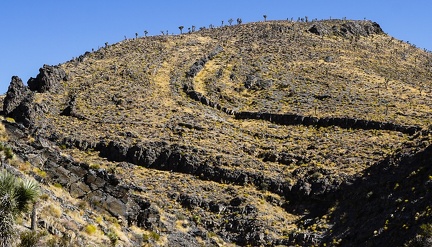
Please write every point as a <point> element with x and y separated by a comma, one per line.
<point>101,189</point>
<point>71,110</point>
<point>48,80</point>
<point>342,122</point>
<point>349,28</point>
<point>296,119</point>
<point>18,103</point>
<point>199,65</point>
<point>16,93</point>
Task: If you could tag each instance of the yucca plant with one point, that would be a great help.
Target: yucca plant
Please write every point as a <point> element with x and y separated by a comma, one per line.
<point>16,197</point>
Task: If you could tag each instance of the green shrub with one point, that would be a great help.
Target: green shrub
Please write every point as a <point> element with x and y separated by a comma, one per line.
<point>90,229</point>
<point>112,237</point>
<point>8,153</point>
<point>94,166</point>
<point>57,185</point>
<point>426,230</point>
<point>151,235</point>
<point>29,238</point>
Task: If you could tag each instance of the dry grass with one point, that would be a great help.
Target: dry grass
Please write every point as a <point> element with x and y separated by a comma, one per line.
<point>132,92</point>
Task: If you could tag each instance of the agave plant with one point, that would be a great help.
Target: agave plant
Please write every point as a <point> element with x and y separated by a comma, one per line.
<point>16,197</point>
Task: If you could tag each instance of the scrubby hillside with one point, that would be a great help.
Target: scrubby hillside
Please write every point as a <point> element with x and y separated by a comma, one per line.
<point>270,133</point>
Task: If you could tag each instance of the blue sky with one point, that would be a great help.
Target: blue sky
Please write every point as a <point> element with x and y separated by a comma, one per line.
<point>40,32</point>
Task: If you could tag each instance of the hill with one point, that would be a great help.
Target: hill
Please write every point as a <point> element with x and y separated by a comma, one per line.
<point>270,133</point>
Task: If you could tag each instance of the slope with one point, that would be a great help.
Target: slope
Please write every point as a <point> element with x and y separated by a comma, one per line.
<point>244,134</point>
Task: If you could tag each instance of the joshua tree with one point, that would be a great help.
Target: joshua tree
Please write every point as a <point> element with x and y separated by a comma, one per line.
<point>181,29</point>
<point>265,17</point>
<point>230,21</point>
<point>136,35</point>
<point>145,33</point>
<point>239,21</point>
<point>16,196</point>
<point>193,28</point>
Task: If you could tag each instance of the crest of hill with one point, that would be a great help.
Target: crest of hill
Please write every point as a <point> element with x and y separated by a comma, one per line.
<point>250,134</point>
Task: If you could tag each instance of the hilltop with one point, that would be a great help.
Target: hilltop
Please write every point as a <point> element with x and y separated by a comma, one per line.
<point>268,133</point>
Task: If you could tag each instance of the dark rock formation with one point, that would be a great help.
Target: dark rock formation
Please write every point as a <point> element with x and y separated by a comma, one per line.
<point>199,65</point>
<point>70,109</point>
<point>360,28</point>
<point>342,122</point>
<point>18,103</point>
<point>349,28</point>
<point>16,93</point>
<point>48,80</point>
<point>255,83</point>
<point>319,29</point>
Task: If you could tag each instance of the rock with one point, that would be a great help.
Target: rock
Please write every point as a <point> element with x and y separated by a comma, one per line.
<point>19,104</point>
<point>78,190</point>
<point>360,29</point>
<point>48,80</point>
<point>318,29</point>
<point>255,83</point>
<point>144,214</point>
<point>16,93</point>
<point>328,59</point>
<point>196,67</point>
<point>349,28</point>
<point>199,65</point>
<point>236,201</point>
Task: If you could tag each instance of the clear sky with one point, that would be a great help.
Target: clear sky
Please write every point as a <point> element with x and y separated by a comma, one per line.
<point>40,32</point>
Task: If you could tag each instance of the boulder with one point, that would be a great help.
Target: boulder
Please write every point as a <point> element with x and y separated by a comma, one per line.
<point>48,80</point>
<point>16,93</point>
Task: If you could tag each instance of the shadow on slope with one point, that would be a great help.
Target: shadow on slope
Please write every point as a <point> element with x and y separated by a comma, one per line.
<point>387,205</point>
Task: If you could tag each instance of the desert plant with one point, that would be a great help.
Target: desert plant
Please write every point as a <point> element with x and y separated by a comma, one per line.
<point>113,237</point>
<point>239,21</point>
<point>230,21</point>
<point>145,33</point>
<point>265,17</point>
<point>181,29</point>
<point>8,153</point>
<point>90,229</point>
<point>15,197</point>
<point>29,238</point>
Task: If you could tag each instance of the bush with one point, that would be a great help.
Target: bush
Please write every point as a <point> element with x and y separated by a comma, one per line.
<point>151,235</point>
<point>8,153</point>
<point>112,237</point>
<point>426,230</point>
<point>90,229</point>
<point>29,239</point>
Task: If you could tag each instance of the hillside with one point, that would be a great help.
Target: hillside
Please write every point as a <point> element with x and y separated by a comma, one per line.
<point>261,134</point>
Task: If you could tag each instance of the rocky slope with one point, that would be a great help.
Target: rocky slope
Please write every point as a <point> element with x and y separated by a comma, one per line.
<point>262,134</point>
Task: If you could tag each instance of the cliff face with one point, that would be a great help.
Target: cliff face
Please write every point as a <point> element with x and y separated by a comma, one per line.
<point>274,133</point>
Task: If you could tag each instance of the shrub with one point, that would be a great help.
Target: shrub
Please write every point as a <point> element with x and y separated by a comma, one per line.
<point>151,235</point>
<point>94,166</point>
<point>57,185</point>
<point>112,237</point>
<point>90,229</point>
<point>426,230</point>
<point>8,153</point>
<point>29,238</point>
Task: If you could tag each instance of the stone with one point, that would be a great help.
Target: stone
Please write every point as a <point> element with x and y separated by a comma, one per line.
<point>16,93</point>
<point>48,80</point>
